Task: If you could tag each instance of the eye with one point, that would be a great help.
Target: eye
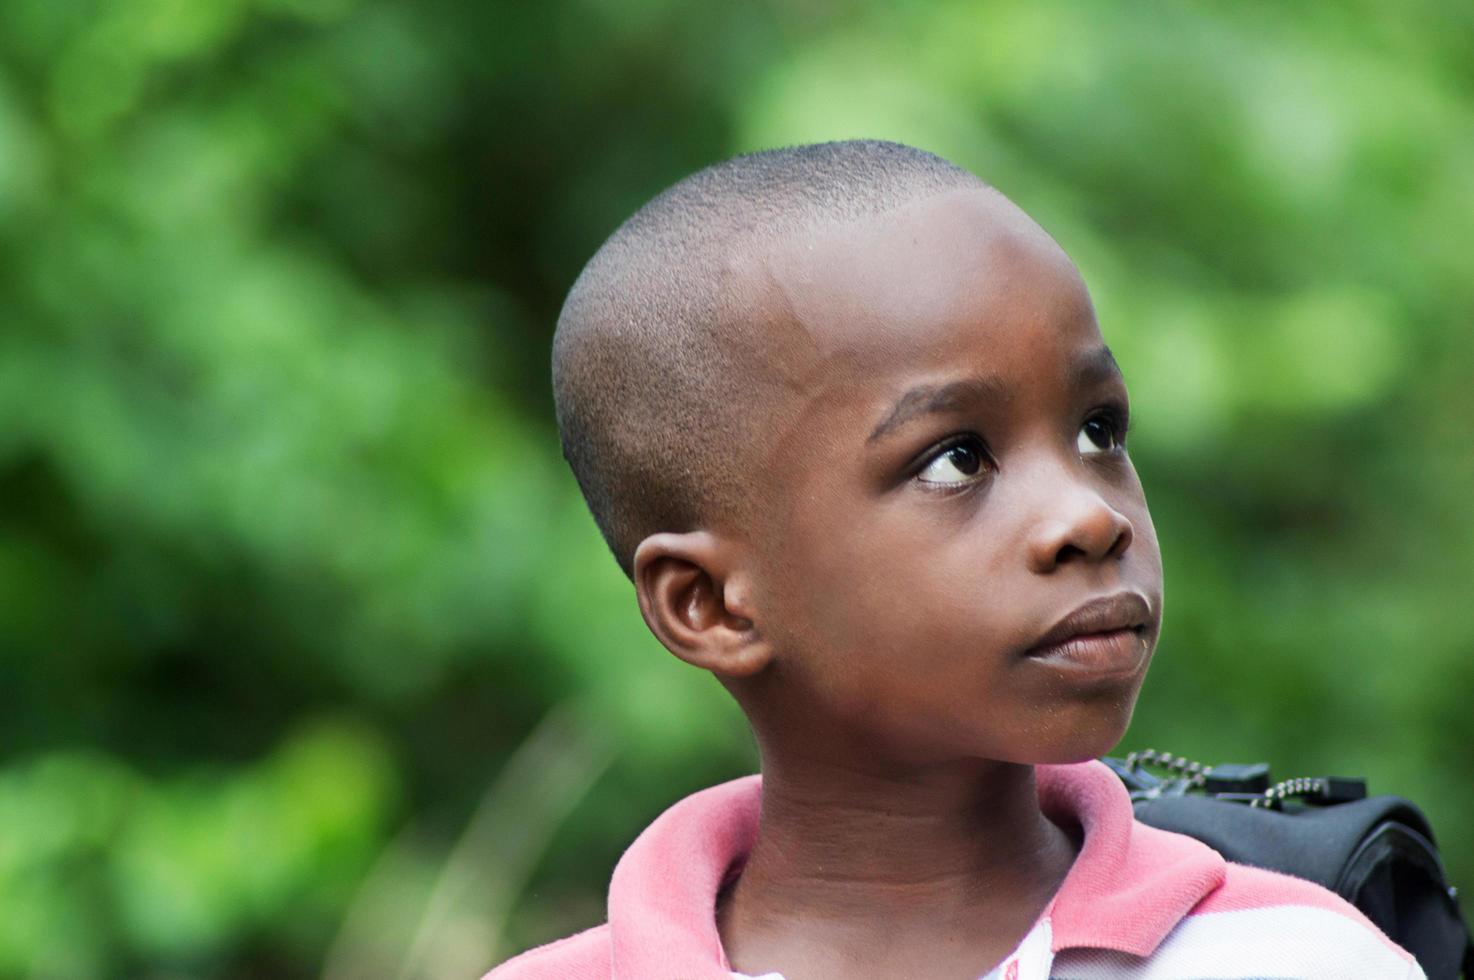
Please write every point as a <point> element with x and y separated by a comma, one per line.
<point>1101,434</point>
<point>959,464</point>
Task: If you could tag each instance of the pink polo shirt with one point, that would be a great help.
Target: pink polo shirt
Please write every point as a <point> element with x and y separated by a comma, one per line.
<point>1137,903</point>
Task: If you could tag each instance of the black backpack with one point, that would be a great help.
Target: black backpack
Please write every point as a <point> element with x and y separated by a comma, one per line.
<point>1377,852</point>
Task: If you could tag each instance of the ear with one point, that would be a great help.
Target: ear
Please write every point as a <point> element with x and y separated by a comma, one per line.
<point>696,602</point>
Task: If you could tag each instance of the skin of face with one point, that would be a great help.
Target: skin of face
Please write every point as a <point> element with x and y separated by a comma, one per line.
<point>898,586</point>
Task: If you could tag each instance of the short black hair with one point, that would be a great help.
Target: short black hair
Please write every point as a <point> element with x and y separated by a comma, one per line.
<point>653,378</point>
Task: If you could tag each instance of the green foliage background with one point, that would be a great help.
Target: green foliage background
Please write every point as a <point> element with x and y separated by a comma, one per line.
<point>312,663</point>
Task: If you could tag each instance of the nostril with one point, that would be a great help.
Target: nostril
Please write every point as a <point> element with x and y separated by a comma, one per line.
<point>1123,540</point>
<point>1068,552</point>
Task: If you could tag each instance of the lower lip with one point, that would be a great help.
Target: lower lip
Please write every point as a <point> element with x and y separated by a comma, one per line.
<point>1097,654</point>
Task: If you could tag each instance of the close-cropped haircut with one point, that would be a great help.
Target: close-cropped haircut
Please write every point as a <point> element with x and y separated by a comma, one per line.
<point>653,376</point>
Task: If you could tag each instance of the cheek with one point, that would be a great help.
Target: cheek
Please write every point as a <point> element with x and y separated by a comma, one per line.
<point>888,616</point>
<point>858,575</point>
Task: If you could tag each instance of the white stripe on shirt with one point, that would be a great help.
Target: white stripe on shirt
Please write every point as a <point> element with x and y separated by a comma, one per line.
<point>1276,941</point>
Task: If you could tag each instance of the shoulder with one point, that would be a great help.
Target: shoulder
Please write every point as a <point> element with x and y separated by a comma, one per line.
<point>582,956</point>
<point>1293,921</point>
<point>1261,923</point>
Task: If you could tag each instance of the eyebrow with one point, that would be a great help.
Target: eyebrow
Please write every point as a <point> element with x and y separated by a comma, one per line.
<point>1093,367</point>
<point>1090,367</point>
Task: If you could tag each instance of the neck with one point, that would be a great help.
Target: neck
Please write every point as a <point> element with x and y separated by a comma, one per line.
<point>849,855</point>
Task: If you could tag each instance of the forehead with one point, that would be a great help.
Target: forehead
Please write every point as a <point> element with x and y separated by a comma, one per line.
<point>963,282</point>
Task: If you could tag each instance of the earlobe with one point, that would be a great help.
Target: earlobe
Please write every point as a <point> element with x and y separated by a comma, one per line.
<point>683,582</point>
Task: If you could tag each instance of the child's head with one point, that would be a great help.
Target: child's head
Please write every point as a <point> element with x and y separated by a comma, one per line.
<point>844,415</point>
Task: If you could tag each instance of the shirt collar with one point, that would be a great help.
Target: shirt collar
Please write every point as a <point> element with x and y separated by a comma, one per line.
<point>1129,886</point>
<point>662,898</point>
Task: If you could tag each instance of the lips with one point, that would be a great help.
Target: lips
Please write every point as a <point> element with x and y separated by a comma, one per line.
<point>1112,614</point>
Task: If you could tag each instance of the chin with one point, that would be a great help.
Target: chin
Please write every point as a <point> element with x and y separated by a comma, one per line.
<point>1093,734</point>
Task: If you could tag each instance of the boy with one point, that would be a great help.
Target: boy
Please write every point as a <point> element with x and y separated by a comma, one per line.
<point>844,416</point>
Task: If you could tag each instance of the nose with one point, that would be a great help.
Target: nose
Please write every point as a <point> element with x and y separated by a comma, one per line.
<point>1080,525</point>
